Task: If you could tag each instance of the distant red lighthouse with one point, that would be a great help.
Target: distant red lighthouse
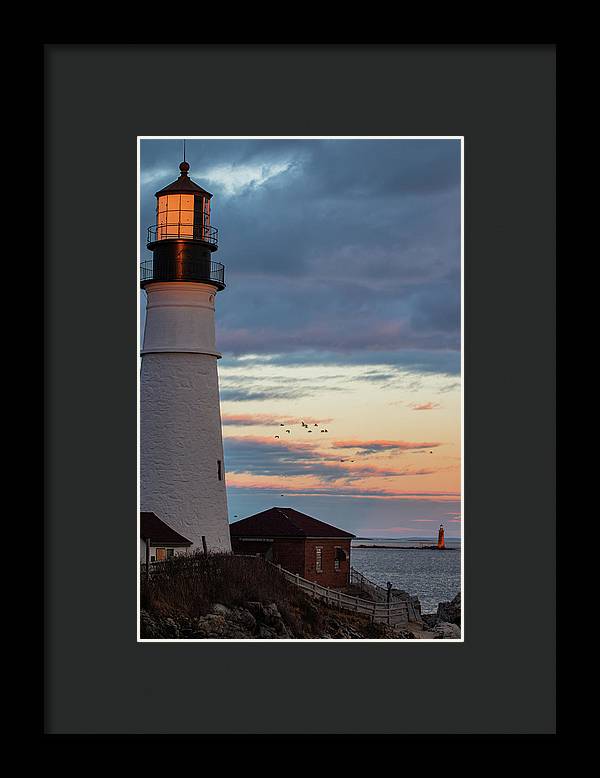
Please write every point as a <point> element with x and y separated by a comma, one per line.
<point>440,543</point>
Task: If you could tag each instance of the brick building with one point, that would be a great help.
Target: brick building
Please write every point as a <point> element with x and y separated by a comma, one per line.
<point>297,542</point>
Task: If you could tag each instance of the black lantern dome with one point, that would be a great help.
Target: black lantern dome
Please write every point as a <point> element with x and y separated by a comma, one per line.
<point>183,239</point>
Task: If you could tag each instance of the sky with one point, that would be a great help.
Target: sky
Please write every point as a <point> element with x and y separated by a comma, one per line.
<point>342,311</point>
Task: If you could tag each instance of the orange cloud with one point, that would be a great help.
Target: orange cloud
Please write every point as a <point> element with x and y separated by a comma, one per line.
<point>308,486</point>
<point>424,406</point>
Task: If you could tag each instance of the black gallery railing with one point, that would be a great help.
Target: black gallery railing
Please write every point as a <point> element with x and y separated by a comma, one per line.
<point>182,270</point>
<point>179,231</point>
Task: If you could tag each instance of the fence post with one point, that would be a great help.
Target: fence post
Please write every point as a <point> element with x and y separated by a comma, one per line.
<point>374,610</point>
<point>356,604</point>
<point>298,580</point>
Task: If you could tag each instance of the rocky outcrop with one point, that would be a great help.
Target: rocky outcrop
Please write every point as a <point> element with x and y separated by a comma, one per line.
<point>264,620</point>
<point>445,624</point>
<point>446,631</point>
<point>450,611</point>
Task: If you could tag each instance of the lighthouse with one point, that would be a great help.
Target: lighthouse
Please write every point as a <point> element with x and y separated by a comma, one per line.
<point>182,470</point>
<point>441,543</point>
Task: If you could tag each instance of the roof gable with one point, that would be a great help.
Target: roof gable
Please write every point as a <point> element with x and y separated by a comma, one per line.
<point>285,522</point>
<point>157,532</point>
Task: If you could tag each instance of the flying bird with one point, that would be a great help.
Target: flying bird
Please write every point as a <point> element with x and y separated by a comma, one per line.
<point>276,436</point>
<point>287,431</point>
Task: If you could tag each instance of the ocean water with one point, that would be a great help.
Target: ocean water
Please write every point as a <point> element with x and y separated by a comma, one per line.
<point>433,576</point>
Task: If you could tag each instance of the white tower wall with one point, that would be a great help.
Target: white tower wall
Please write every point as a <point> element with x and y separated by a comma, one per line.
<point>180,421</point>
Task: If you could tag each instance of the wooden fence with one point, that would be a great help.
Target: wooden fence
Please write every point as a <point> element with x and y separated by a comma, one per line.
<point>396,613</point>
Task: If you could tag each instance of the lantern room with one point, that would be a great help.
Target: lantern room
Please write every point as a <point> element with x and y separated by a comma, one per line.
<point>183,239</point>
<point>183,211</point>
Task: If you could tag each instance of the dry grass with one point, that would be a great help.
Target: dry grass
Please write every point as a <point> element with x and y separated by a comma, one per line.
<point>192,584</point>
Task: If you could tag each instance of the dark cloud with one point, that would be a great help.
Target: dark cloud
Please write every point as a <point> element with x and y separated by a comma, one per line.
<point>241,394</point>
<point>406,361</point>
<point>349,247</point>
<point>375,446</point>
<point>281,458</point>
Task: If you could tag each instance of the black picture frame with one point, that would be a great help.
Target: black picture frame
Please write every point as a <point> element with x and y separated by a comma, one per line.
<point>98,678</point>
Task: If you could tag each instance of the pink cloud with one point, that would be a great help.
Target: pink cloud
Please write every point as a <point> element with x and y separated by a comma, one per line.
<point>430,406</point>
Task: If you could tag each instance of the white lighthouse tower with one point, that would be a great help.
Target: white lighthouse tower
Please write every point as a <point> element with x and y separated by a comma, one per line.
<point>182,472</point>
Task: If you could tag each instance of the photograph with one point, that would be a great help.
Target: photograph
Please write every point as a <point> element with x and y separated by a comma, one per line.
<point>300,389</point>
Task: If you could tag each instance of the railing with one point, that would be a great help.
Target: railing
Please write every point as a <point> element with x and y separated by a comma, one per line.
<point>182,270</point>
<point>364,583</point>
<point>377,591</point>
<point>179,231</point>
<point>396,613</point>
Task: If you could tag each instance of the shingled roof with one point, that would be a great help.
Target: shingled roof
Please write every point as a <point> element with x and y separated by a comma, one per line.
<point>158,533</point>
<point>285,523</point>
<point>183,185</point>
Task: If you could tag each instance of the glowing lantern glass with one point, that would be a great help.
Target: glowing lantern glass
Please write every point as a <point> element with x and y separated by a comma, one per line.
<point>183,210</point>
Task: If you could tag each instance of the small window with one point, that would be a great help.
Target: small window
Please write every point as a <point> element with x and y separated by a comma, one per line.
<point>219,469</point>
<point>336,564</point>
<point>170,552</point>
<point>161,554</point>
<point>319,559</point>
<point>153,558</point>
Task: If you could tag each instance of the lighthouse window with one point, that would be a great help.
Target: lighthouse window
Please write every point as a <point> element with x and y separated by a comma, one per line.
<point>219,470</point>
<point>175,216</point>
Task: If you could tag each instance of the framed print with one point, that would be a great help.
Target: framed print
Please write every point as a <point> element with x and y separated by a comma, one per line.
<point>297,338</point>
<point>343,302</point>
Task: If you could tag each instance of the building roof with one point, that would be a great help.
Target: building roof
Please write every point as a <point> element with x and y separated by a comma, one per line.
<point>285,523</point>
<point>158,533</point>
<point>183,185</point>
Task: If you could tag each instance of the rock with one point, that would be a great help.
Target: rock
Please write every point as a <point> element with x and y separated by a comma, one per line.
<point>266,632</point>
<point>429,619</point>
<point>444,630</point>
<point>450,611</point>
<point>149,627</point>
<point>257,609</point>
<point>214,625</point>
<point>170,628</point>
<point>244,618</point>
<point>221,610</point>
